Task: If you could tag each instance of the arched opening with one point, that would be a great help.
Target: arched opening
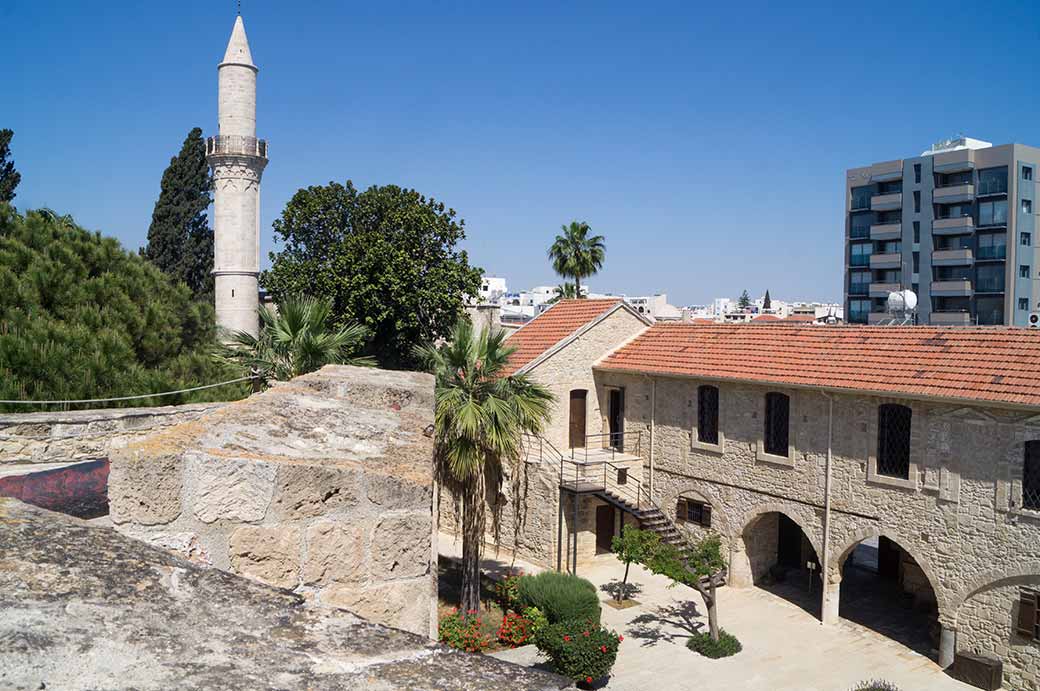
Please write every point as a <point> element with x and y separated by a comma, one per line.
<point>885,589</point>
<point>783,560</point>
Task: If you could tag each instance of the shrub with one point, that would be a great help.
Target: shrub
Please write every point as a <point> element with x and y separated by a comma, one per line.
<point>580,650</point>
<point>724,647</point>
<point>560,597</point>
<point>507,593</point>
<point>875,685</point>
<point>515,630</point>
<point>464,634</point>
<point>538,621</point>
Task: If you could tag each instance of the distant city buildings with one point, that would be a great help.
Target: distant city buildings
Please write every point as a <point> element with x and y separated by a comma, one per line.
<point>955,225</point>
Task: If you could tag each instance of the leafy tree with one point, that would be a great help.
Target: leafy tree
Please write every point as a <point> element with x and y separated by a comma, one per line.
<point>633,545</point>
<point>9,177</point>
<point>744,301</point>
<point>80,317</point>
<point>387,257</point>
<point>701,567</point>
<point>299,339</point>
<point>180,241</point>
<point>564,291</point>
<point>480,418</point>
<point>574,254</point>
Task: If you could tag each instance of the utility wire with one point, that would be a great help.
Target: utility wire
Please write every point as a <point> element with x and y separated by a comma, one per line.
<point>131,398</point>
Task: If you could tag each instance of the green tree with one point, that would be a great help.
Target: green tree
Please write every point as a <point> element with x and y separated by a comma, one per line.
<point>481,417</point>
<point>564,291</point>
<point>299,339</point>
<point>80,317</point>
<point>744,301</point>
<point>9,177</point>
<point>701,567</point>
<point>574,254</point>
<point>633,545</point>
<point>387,257</point>
<point>180,241</point>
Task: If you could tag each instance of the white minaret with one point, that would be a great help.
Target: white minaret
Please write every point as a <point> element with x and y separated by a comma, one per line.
<point>237,159</point>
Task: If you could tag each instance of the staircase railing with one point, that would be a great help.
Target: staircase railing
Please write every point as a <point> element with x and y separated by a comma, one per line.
<point>575,473</point>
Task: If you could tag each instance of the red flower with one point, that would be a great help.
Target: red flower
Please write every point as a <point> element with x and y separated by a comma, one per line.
<point>585,633</point>
<point>603,648</point>
<point>620,638</point>
<point>588,680</point>
<point>566,637</point>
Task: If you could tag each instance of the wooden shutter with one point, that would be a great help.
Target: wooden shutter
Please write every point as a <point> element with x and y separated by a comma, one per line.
<point>706,515</point>
<point>1027,608</point>
<point>680,509</point>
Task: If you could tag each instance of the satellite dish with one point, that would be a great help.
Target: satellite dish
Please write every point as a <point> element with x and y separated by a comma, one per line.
<point>902,301</point>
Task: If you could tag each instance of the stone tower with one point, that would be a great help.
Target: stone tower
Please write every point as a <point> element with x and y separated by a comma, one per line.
<point>237,159</point>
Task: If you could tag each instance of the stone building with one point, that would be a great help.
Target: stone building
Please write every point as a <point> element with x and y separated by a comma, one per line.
<point>902,463</point>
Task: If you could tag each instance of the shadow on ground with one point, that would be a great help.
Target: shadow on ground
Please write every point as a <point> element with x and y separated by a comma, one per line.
<point>616,589</point>
<point>661,624</point>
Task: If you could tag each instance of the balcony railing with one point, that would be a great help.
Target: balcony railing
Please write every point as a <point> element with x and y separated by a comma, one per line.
<point>859,232</point>
<point>989,285</point>
<point>859,288</point>
<point>993,252</point>
<point>859,260</point>
<point>986,187</point>
<point>236,144</point>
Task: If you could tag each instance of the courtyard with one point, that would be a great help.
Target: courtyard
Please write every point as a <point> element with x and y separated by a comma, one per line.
<point>785,647</point>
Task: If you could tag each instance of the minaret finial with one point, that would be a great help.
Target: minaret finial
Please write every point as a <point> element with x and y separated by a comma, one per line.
<point>239,8</point>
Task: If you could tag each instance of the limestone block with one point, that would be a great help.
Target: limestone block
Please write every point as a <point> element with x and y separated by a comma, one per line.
<point>144,487</point>
<point>391,492</point>
<point>335,553</point>
<point>306,491</point>
<point>401,547</point>
<point>232,489</point>
<point>185,544</point>
<point>405,605</point>
<point>268,554</point>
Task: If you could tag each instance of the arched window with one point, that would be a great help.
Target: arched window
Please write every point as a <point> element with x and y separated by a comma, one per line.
<point>708,414</point>
<point>778,409</point>
<point>893,453</point>
<point>1031,476</point>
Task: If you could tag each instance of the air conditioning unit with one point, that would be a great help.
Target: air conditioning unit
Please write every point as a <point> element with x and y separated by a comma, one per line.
<point>1034,320</point>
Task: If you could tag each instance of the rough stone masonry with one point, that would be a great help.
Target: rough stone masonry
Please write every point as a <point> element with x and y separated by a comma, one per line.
<point>321,485</point>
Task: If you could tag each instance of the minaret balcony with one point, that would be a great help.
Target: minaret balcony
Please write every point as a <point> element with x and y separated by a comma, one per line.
<point>236,145</point>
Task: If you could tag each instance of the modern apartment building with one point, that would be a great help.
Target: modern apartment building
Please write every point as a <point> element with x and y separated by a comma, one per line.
<point>956,225</point>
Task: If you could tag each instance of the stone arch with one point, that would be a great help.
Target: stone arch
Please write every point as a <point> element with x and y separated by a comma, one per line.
<point>752,515</point>
<point>991,578</point>
<point>941,597</point>
<point>741,567</point>
<point>720,520</point>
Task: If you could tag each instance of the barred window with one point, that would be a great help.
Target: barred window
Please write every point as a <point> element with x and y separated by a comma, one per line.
<point>1031,476</point>
<point>1028,623</point>
<point>778,407</point>
<point>893,454</point>
<point>708,414</point>
<point>693,511</point>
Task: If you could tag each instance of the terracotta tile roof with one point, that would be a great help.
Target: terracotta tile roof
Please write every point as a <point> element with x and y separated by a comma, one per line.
<point>985,364</point>
<point>766,318</point>
<point>800,318</point>
<point>552,326</point>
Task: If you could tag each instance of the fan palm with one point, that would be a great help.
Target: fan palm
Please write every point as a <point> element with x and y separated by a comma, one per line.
<point>481,416</point>
<point>298,339</point>
<point>564,291</point>
<point>575,254</point>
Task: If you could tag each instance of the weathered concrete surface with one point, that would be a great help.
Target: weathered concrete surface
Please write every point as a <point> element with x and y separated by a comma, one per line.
<point>83,607</point>
<point>322,485</point>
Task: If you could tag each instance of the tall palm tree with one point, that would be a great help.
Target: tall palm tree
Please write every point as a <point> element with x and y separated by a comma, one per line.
<point>481,416</point>
<point>298,339</point>
<point>564,291</point>
<point>575,254</point>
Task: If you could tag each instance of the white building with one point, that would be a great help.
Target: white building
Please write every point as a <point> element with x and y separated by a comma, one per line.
<point>491,289</point>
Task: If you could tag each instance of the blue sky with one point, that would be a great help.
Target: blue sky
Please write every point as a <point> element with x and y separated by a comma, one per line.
<point>708,144</point>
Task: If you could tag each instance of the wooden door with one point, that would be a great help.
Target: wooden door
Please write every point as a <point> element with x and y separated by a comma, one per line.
<point>577,418</point>
<point>616,419</point>
<point>604,527</point>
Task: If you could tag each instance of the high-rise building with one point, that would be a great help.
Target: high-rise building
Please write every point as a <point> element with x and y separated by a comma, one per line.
<point>956,225</point>
<point>237,159</point>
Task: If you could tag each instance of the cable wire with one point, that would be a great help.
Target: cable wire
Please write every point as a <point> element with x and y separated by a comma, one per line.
<point>131,398</point>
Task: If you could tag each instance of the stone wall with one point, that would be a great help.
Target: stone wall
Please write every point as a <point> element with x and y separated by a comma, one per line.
<point>85,434</point>
<point>322,485</point>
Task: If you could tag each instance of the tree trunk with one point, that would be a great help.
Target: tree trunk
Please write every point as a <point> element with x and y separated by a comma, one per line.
<point>473,525</point>
<point>708,595</point>
<point>623,591</point>
<point>577,287</point>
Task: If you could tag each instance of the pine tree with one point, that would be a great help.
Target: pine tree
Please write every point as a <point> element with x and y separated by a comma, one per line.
<point>180,241</point>
<point>9,177</point>
<point>744,302</point>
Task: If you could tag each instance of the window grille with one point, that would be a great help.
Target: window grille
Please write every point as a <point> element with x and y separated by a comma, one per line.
<point>893,454</point>
<point>692,511</point>
<point>778,408</point>
<point>1031,477</point>
<point>708,414</point>
<point>1028,623</point>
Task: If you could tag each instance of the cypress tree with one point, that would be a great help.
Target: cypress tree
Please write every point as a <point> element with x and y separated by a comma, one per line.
<point>9,177</point>
<point>180,241</point>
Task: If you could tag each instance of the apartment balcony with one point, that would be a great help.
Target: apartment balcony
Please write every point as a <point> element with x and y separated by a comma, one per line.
<point>881,290</point>
<point>953,226</point>
<point>959,257</point>
<point>886,231</point>
<point>954,161</point>
<point>886,202</point>
<point>892,260</point>
<point>887,171</point>
<point>950,318</point>
<point>953,194</point>
<point>951,288</point>
<point>992,253</point>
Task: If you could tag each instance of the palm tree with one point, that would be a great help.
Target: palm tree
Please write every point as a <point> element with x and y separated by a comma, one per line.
<point>574,254</point>
<point>481,417</point>
<point>564,291</point>
<point>298,339</point>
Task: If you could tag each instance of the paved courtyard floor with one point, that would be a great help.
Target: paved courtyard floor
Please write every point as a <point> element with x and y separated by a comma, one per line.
<point>785,648</point>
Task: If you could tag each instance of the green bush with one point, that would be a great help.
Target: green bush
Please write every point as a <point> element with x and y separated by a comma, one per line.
<point>875,685</point>
<point>463,634</point>
<point>580,650</point>
<point>724,647</point>
<point>507,594</point>
<point>560,597</point>
<point>538,621</point>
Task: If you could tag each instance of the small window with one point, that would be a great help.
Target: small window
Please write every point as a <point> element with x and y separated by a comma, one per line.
<point>917,231</point>
<point>693,511</point>
<point>778,407</point>
<point>1031,476</point>
<point>1026,239</point>
<point>917,202</point>
<point>1027,172</point>
<point>1023,303</point>
<point>1023,272</point>
<point>917,173</point>
<point>917,262</point>
<point>708,414</point>
<point>1029,614</point>
<point>1027,206</point>
<point>893,457</point>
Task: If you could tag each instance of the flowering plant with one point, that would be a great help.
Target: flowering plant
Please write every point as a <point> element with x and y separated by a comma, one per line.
<point>515,630</point>
<point>463,633</point>
<point>507,593</point>
<point>580,650</point>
